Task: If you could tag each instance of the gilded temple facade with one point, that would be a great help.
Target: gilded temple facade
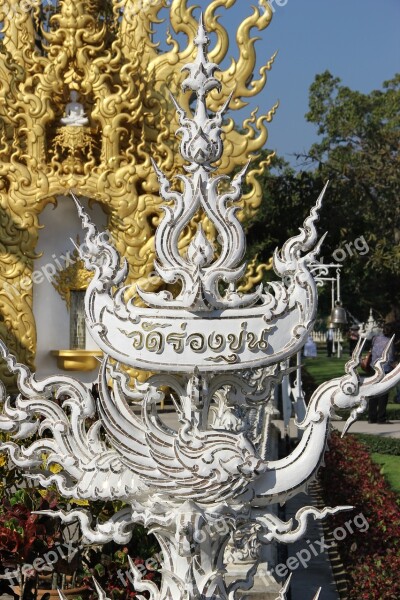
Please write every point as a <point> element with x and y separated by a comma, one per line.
<point>84,107</point>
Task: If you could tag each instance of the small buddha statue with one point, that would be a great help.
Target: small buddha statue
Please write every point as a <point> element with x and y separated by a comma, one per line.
<point>74,112</point>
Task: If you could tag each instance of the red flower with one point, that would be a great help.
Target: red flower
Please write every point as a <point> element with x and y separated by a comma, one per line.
<point>352,478</point>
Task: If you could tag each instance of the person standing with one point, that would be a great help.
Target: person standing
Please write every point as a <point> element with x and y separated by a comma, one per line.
<point>310,348</point>
<point>377,405</point>
<point>353,338</point>
<point>329,341</point>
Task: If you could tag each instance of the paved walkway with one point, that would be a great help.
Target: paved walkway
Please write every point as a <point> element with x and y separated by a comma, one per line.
<point>391,429</point>
<point>315,570</point>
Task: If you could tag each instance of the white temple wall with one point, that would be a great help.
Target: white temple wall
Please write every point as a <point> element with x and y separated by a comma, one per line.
<point>52,317</point>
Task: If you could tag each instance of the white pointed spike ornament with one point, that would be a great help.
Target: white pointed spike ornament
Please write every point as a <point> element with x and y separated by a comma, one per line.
<point>221,353</point>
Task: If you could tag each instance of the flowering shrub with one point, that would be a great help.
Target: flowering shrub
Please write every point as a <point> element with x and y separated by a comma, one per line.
<point>26,537</point>
<point>371,559</point>
<point>111,568</point>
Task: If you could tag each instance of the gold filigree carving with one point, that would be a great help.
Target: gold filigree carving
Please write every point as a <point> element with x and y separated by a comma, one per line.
<point>254,274</point>
<point>122,81</point>
<point>73,278</point>
<point>72,150</point>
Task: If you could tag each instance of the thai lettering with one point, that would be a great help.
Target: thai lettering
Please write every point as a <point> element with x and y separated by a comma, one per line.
<point>139,342</point>
<point>236,343</point>
<point>177,340</point>
<point>216,341</point>
<point>252,340</point>
<point>197,342</point>
<point>157,341</point>
<point>262,343</point>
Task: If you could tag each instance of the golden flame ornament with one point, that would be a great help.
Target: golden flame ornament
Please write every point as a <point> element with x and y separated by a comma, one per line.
<point>121,79</point>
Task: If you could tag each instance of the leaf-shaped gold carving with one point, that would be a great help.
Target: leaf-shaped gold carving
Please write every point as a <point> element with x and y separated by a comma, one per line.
<point>123,81</point>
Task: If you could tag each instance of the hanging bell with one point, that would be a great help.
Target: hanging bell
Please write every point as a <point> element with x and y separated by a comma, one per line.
<point>338,315</point>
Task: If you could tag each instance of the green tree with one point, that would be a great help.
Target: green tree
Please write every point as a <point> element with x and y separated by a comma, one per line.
<point>358,151</point>
<point>287,199</point>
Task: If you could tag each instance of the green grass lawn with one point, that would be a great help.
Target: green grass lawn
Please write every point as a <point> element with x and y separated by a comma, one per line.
<point>390,467</point>
<point>323,368</point>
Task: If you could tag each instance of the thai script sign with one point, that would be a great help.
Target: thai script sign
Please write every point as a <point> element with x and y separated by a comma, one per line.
<point>158,340</point>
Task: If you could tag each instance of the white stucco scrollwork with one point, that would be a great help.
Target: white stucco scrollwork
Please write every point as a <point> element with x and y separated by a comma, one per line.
<point>218,353</point>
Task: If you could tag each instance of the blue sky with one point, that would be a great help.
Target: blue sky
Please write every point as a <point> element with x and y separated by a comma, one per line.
<point>357,40</point>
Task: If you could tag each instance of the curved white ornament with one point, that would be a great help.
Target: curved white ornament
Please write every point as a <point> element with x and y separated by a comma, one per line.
<point>201,327</point>
<point>220,353</point>
<point>178,339</point>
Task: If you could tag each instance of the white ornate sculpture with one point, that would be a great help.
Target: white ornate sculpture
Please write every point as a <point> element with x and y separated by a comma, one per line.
<point>219,352</point>
<point>74,112</point>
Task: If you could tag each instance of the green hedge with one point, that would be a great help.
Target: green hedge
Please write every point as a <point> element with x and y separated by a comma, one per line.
<point>371,560</point>
<point>383,445</point>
